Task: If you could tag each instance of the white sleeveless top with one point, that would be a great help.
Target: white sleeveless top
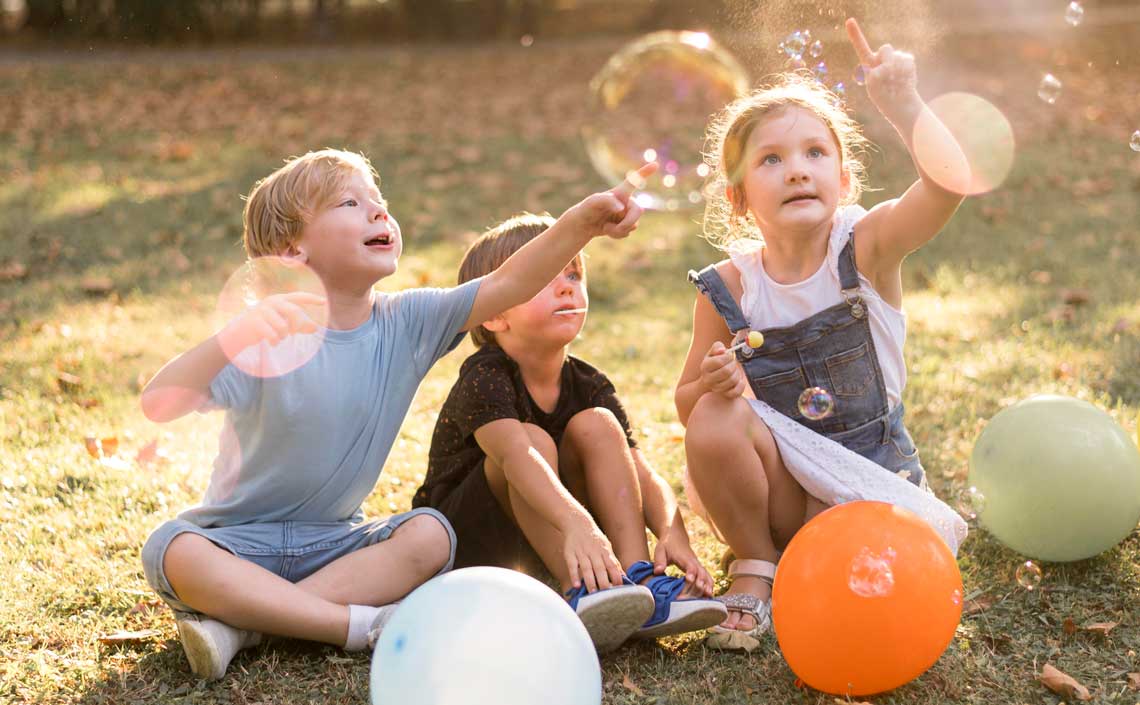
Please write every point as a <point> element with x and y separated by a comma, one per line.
<point>768,304</point>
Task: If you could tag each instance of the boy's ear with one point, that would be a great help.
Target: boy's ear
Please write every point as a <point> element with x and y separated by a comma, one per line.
<point>498,324</point>
<point>296,254</point>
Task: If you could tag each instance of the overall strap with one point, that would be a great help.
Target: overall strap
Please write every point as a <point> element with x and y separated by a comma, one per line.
<point>849,278</point>
<point>709,283</point>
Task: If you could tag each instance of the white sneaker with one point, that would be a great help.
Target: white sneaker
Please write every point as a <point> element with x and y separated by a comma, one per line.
<point>382,618</point>
<point>210,645</point>
<point>611,616</point>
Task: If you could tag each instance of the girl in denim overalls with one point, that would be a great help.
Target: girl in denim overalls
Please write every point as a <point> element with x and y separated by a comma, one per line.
<point>820,278</point>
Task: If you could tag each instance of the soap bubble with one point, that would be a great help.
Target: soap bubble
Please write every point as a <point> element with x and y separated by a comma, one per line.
<point>816,49</point>
<point>815,403</point>
<point>1074,13</point>
<point>971,503</point>
<point>1049,89</point>
<point>1029,575</point>
<point>1135,142</point>
<point>654,96</point>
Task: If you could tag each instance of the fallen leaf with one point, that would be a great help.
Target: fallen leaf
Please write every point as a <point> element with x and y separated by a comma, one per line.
<point>979,604</point>
<point>68,382</point>
<point>1063,684</point>
<point>97,286</point>
<point>148,453</point>
<point>13,270</point>
<point>1134,681</point>
<point>88,403</point>
<point>1069,626</point>
<point>146,607</point>
<point>122,636</point>
<point>1075,297</point>
<point>1102,628</point>
<point>631,686</point>
<point>1040,277</point>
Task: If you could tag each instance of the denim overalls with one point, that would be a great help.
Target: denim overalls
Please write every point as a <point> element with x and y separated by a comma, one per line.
<point>832,349</point>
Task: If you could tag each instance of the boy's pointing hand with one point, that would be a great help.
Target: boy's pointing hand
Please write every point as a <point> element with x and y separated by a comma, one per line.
<point>615,213</point>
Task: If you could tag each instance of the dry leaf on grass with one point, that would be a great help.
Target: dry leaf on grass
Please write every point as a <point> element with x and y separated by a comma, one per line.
<point>97,286</point>
<point>122,636</point>
<point>1075,297</point>
<point>13,270</point>
<point>1102,628</point>
<point>979,604</point>
<point>1069,626</point>
<point>1063,684</point>
<point>631,686</point>
<point>1134,681</point>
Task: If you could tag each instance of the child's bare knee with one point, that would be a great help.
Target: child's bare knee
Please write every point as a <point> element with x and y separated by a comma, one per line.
<point>427,540</point>
<point>542,442</point>
<point>715,424</point>
<point>597,424</point>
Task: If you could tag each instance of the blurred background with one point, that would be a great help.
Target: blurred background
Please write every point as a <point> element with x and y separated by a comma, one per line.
<point>28,22</point>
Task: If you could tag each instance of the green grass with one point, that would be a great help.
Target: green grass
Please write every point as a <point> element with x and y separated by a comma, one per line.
<point>132,170</point>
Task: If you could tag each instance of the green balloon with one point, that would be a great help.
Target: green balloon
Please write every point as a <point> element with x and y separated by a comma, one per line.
<point>1060,478</point>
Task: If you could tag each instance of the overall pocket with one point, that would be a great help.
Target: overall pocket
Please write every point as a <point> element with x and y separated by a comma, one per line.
<point>782,390</point>
<point>851,372</point>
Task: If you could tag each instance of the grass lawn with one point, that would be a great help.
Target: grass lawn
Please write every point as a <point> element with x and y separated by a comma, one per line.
<point>120,185</point>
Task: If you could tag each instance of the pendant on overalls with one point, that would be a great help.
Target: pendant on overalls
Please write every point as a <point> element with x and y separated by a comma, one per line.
<point>750,342</point>
<point>852,298</point>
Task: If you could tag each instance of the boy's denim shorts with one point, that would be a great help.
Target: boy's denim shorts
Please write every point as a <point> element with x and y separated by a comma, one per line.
<point>293,550</point>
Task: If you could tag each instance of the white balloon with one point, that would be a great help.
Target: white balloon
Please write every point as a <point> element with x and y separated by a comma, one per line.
<point>485,635</point>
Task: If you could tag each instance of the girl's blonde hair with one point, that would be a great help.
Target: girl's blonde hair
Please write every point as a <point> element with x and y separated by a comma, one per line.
<point>280,205</point>
<point>726,220</point>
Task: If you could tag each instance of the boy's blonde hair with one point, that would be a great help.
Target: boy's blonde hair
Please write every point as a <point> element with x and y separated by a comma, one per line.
<point>280,205</point>
<point>493,247</point>
<point>726,219</point>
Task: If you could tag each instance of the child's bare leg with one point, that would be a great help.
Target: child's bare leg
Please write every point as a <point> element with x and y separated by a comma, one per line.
<point>736,467</point>
<point>597,466</point>
<point>544,537</point>
<point>245,595</point>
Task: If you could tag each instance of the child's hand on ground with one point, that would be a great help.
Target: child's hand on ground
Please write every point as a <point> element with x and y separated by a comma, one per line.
<point>271,321</point>
<point>590,557</point>
<point>892,80</point>
<point>721,374</point>
<point>674,549</point>
<point>615,213</point>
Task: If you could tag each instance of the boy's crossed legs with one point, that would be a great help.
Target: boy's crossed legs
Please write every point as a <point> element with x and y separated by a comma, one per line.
<point>336,604</point>
<point>595,463</point>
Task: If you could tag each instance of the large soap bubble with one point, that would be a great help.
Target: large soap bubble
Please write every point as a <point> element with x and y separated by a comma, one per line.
<point>651,101</point>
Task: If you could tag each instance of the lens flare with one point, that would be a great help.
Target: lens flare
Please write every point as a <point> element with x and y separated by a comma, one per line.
<point>983,154</point>
<point>248,287</point>
<point>654,97</point>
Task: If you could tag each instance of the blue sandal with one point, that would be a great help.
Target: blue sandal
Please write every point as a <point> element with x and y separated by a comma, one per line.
<point>611,615</point>
<point>672,615</point>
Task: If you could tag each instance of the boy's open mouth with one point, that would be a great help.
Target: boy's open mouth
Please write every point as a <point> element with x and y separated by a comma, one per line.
<point>379,241</point>
<point>569,311</point>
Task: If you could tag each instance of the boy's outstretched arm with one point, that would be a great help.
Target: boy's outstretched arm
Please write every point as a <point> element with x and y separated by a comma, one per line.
<point>183,384</point>
<point>663,517</point>
<point>902,225</point>
<point>613,213</point>
<point>588,554</point>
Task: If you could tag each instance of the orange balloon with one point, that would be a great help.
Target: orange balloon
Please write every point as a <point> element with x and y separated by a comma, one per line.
<point>867,597</point>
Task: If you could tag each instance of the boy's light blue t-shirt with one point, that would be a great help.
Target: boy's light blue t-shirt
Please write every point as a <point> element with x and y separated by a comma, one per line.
<point>309,445</point>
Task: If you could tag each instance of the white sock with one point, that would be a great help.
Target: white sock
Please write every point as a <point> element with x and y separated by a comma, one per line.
<point>360,619</point>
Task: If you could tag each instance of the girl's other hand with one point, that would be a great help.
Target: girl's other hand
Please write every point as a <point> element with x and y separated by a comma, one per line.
<point>721,374</point>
